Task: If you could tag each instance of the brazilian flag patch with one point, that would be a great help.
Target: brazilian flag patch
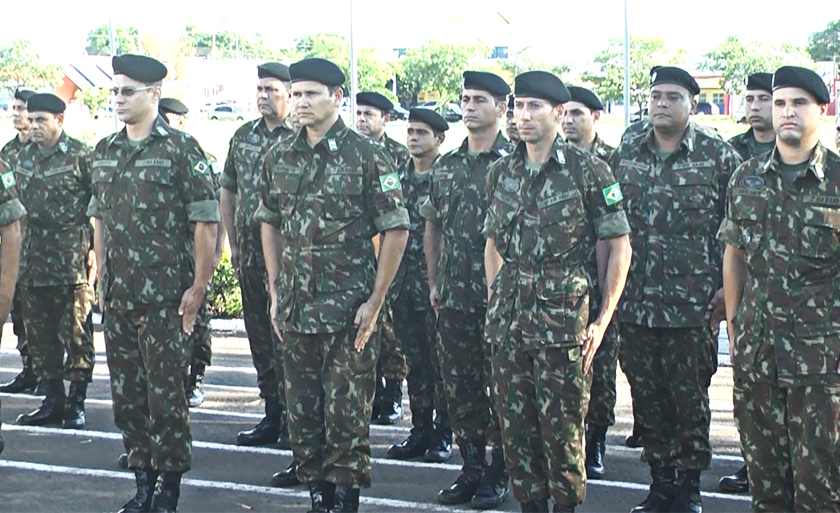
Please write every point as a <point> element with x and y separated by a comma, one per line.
<point>201,167</point>
<point>389,182</point>
<point>8,179</point>
<point>612,194</point>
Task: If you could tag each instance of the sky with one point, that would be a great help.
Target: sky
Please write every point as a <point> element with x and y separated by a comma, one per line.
<point>559,30</point>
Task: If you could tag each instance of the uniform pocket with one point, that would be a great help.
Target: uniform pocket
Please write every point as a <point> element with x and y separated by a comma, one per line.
<point>343,196</point>
<point>820,233</point>
<point>560,223</point>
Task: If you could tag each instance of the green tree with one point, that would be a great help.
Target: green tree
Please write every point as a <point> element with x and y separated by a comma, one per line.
<point>825,44</point>
<point>374,70</point>
<point>99,41</point>
<point>521,63</point>
<point>436,67</point>
<point>645,52</point>
<point>20,66</point>
<point>92,98</point>
<point>735,60</point>
<point>227,44</point>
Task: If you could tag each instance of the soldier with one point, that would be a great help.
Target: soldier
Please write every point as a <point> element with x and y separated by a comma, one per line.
<point>454,246</point>
<point>780,281</point>
<point>414,318</point>
<point>758,140</point>
<point>510,123</point>
<point>372,114</point>
<point>673,178</point>
<point>324,195</point>
<point>580,116</point>
<point>239,201</point>
<point>155,218</point>
<point>54,181</point>
<point>548,204</point>
<point>25,381</point>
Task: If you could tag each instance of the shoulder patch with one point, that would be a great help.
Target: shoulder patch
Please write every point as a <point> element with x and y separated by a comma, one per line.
<point>200,167</point>
<point>612,194</point>
<point>389,182</point>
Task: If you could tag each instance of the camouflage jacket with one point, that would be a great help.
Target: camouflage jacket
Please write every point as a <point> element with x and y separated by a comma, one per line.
<point>746,145</point>
<point>601,149</point>
<point>149,198</point>
<point>787,324</point>
<point>604,152</point>
<point>458,203</point>
<point>10,150</point>
<point>411,285</point>
<point>545,226</point>
<point>674,207</point>
<point>643,127</point>
<point>328,202</point>
<point>398,152</point>
<point>55,187</point>
<point>241,176</point>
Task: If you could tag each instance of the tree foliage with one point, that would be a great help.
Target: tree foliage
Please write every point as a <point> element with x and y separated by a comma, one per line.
<point>374,70</point>
<point>92,98</point>
<point>127,40</point>
<point>227,44</point>
<point>825,44</point>
<point>21,66</point>
<point>436,66</point>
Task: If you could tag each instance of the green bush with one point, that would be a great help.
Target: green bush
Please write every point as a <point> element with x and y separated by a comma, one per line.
<point>223,296</point>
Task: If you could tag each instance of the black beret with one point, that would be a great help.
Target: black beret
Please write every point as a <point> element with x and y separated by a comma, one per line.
<point>317,70</point>
<point>586,97</point>
<point>139,67</point>
<point>172,105</point>
<point>274,70</point>
<point>653,69</point>
<point>374,100</point>
<point>760,81</point>
<point>493,84</point>
<point>23,94</point>
<point>511,102</point>
<point>803,78</point>
<point>674,75</point>
<point>45,102</point>
<point>541,84</point>
<point>430,117</point>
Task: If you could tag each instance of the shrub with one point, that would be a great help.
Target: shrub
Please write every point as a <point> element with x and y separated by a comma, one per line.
<point>223,296</point>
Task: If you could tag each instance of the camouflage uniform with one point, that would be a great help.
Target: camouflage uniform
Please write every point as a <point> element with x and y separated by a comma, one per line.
<point>149,195</point>
<point>55,186</point>
<point>327,203</point>
<point>667,350</point>
<point>747,147</point>
<point>8,153</point>
<point>643,126</point>
<point>241,176</point>
<point>787,389</point>
<point>457,202</point>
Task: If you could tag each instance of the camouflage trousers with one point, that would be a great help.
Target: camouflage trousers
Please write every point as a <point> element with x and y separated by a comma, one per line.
<point>602,395</point>
<point>329,390</point>
<point>670,371</point>
<point>392,362</point>
<point>261,337</point>
<point>148,356</point>
<point>415,331</point>
<point>541,396</point>
<point>465,368</point>
<point>201,339</point>
<point>791,440</point>
<point>57,319</point>
<point>17,323</point>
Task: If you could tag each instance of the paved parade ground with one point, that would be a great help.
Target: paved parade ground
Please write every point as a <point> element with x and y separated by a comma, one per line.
<point>54,470</point>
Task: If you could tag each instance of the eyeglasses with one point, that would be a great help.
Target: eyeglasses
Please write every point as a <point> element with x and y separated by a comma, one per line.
<point>128,92</point>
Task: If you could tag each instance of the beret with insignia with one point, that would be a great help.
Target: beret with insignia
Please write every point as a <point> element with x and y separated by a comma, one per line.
<point>483,81</point>
<point>586,97</point>
<point>760,82</point>
<point>676,76</point>
<point>543,85</point>
<point>274,70</point>
<point>45,102</point>
<point>374,100</point>
<point>317,70</point>
<point>139,67</point>
<point>430,117</point>
<point>802,78</point>
<point>23,94</point>
<point>172,106</point>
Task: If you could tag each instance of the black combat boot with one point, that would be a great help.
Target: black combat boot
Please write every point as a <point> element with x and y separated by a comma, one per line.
<point>51,411</point>
<point>195,385</point>
<point>74,408</point>
<point>738,482</point>
<point>390,409</point>
<point>287,478</point>
<point>661,493</point>
<point>562,509</point>
<point>493,488</point>
<point>142,501</point>
<point>345,500</point>
<point>268,430</point>
<point>122,461</point>
<point>418,440</point>
<point>377,398</point>
<point>465,486</point>
<point>440,445</point>
<point>167,493</point>
<point>2,443</point>
<point>687,497</point>
<point>25,382</point>
<point>596,445</point>
<point>283,440</point>
<point>321,493</point>
<point>537,506</point>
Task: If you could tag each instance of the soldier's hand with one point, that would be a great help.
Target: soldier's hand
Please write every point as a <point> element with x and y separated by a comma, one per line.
<point>594,336</point>
<point>188,309</point>
<point>433,297</point>
<point>718,309</point>
<point>730,333</point>
<point>272,314</point>
<point>234,258</point>
<point>365,322</point>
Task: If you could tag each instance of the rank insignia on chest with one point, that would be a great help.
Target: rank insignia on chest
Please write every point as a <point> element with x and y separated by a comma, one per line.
<point>63,147</point>
<point>561,158</point>
<point>752,182</point>
<point>612,194</point>
<point>332,144</point>
<point>8,179</point>
<point>253,138</point>
<point>26,164</point>
<point>510,185</point>
<point>200,168</point>
<point>503,152</point>
<point>389,182</point>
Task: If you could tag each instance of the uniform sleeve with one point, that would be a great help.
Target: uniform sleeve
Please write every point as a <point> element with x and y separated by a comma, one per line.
<point>430,209</point>
<point>197,190</point>
<point>490,221</point>
<point>268,210</point>
<point>11,209</point>
<point>385,191</point>
<point>604,201</point>
<point>729,231</point>
<point>228,178</point>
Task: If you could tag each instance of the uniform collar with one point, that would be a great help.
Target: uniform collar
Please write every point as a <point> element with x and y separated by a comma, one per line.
<point>816,164</point>
<point>558,151</point>
<point>160,129</point>
<point>687,140</point>
<point>331,142</point>
<point>501,146</point>
<point>259,125</point>
<point>62,146</point>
